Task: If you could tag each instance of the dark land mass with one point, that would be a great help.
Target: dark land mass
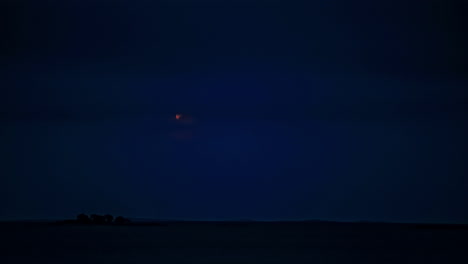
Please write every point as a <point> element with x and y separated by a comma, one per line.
<point>232,242</point>
<point>76,223</point>
<point>323,224</point>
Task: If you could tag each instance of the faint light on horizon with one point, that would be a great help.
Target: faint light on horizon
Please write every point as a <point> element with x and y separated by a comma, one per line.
<point>178,116</point>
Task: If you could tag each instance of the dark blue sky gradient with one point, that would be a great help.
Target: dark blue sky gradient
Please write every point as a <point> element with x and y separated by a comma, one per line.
<point>338,110</point>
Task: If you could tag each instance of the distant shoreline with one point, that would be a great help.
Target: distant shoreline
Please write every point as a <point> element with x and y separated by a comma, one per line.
<point>312,223</point>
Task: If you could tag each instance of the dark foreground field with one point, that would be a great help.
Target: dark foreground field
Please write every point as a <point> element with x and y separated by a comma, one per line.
<point>232,243</point>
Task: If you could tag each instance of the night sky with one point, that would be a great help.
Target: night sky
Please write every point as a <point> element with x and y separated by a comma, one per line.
<point>325,109</point>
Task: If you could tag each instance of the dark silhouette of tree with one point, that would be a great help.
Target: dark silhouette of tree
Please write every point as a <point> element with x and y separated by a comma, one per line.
<point>109,218</point>
<point>83,219</point>
<point>121,220</point>
<point>98,219</point>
